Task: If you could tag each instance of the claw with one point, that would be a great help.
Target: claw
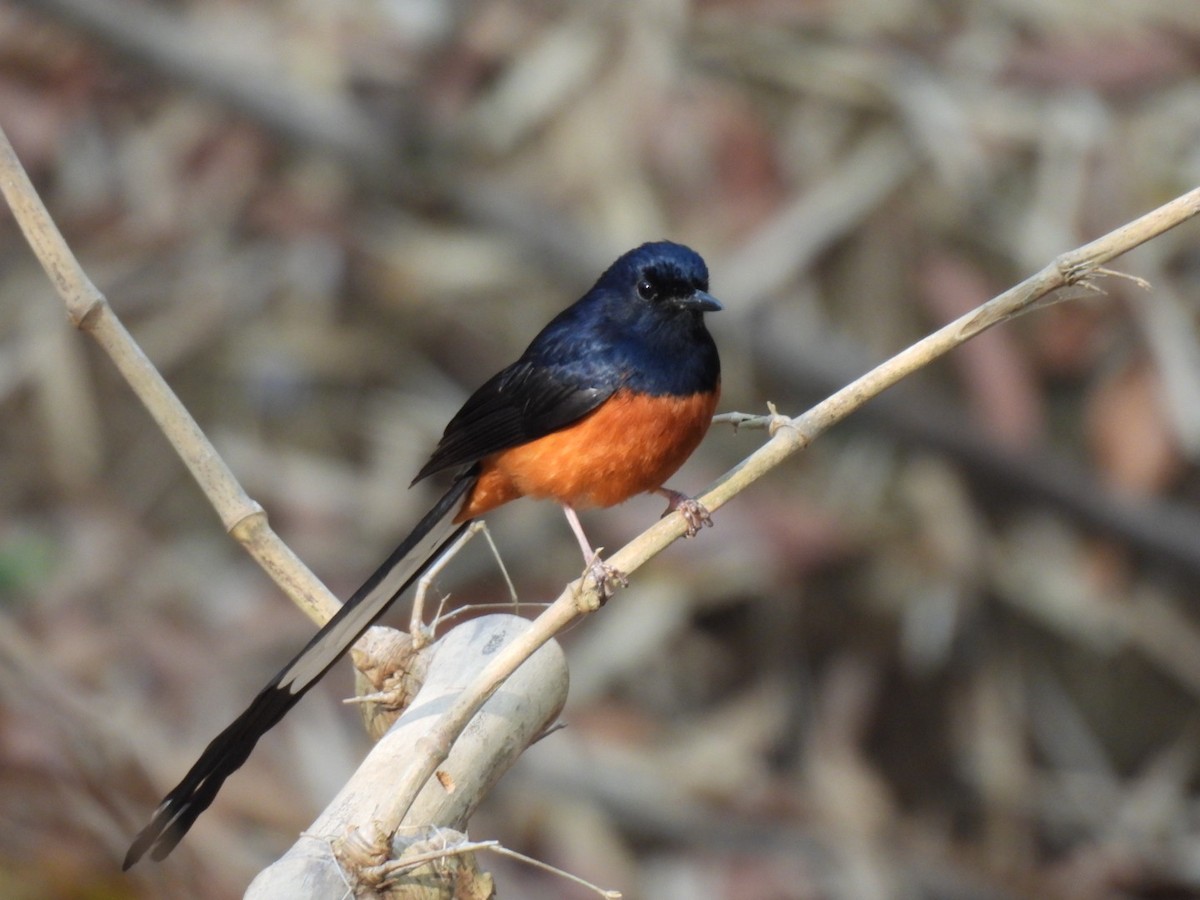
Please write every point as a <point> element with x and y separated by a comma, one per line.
<point>694,513</point>
<point>607,578</point>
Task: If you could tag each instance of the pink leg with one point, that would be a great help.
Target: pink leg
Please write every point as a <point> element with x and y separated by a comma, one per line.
<point>693,511</point>
<point>606,577</point>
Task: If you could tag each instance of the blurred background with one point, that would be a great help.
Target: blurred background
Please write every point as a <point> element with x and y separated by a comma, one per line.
<point>951,651</point>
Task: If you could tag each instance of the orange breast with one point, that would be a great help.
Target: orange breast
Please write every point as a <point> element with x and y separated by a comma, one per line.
<point>630,444</point>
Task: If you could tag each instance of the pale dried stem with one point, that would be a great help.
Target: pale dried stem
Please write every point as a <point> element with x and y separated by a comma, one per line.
<point>89,311</point>
<point>417,629</point>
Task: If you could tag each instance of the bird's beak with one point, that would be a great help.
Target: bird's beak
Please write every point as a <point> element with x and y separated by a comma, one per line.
<point>701,301</point>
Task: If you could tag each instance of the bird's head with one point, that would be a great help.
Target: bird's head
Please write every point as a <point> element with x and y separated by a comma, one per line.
<point>661,276</point>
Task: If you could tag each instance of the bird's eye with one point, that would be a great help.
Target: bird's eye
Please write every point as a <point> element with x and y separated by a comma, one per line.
<point>646,290</point>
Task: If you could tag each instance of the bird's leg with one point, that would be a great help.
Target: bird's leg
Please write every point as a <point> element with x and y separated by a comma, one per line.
<point>692,510</point>
<point>606,577</point>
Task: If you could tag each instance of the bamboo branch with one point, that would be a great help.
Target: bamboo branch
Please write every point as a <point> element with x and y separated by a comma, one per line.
<point>356,828</point>
<point>89,311</point>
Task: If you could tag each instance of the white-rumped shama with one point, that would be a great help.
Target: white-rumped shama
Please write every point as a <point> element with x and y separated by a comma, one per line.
<point>607,402</point>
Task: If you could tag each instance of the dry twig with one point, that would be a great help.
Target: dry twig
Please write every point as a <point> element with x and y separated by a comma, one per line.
<point>89,311</point>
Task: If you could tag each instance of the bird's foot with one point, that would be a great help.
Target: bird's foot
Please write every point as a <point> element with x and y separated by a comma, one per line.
<point>607,578</point>
<point>694,513</point>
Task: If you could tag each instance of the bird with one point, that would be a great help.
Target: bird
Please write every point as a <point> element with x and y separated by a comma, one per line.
<point>606,402</point>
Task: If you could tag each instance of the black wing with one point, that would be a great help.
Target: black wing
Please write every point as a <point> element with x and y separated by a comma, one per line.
<point>524,402</point>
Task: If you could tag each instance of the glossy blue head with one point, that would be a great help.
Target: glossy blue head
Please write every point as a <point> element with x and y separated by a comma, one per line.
<point>660,275</point>
<point>641,326</point>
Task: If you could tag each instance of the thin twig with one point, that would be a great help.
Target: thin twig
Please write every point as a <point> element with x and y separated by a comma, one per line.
<point>512,588</point>
<point>417,630</point>
<point>472,608</point>
<point>382,873</point>
<point>501,850</point>
<point>422,633</point>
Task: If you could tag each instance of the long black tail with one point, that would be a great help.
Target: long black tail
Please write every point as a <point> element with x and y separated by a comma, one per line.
<point>229,749</point>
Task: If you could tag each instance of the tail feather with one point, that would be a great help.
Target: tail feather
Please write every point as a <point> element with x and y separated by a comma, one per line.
<point>231,748</point>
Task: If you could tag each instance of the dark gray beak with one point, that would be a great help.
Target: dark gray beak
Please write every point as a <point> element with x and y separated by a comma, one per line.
<point>701,301</point>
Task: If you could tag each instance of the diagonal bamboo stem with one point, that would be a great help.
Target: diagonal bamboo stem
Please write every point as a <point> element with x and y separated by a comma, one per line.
<point>89,311</point>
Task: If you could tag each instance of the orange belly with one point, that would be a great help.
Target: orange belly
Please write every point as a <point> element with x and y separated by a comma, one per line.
<point>630,444</point>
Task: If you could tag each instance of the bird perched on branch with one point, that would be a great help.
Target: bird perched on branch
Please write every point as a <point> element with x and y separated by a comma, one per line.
<point>608,401</point>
